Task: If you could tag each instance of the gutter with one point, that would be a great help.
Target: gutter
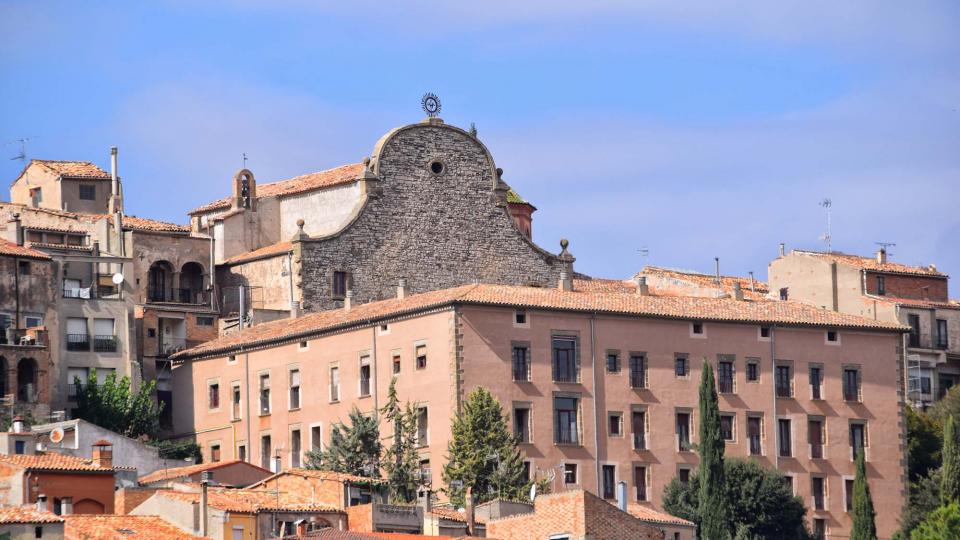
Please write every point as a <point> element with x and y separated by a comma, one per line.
<point>596,411</point>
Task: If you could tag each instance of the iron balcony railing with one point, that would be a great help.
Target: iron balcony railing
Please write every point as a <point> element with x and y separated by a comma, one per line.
<point>180,296</point>
<point>639,441</point>
<point>78,342</point>
<point>105,343</point>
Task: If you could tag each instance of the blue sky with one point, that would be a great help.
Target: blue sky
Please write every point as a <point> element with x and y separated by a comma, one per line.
<point>694,130</point>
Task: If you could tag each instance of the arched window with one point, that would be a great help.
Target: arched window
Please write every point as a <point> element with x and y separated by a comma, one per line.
<point>191,283</point>
<point>27,380</point>
<point>160,286</point>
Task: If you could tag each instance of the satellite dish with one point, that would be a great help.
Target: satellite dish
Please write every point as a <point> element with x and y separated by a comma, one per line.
<point>56,435</point>
<point>117,278</point>
<point>533,492</point>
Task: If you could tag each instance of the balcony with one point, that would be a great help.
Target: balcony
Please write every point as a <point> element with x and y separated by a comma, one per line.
<point>24,337</point>
<point>105,343</point>
<point>639,441</point>
<point>178,296</point>
<point>78,342</point>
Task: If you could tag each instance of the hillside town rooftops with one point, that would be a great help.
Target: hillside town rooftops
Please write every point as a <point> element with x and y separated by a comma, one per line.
<point>188,470</point>
<point>249,501</point>
<point>72,169</point>
<point>344,174</point>
<point>52,462</point>
<point>26,514</point>
<point>608,303</point>
<point>872,264</point>
<point>707,280</point>
<point>135,223</point>
<point>9,249</point>
<point>117,527</point>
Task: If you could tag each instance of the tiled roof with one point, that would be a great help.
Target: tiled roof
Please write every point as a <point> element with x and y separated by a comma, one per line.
<point>913,302</point>
<point>707,280</point>
<point>343,174</point>
<point>652,515</point>
<point>325,475</point>
<point>72,169</point>
<point>52,462</point>
<point>26,514</point>
<point>669,307</point>
<point>115,527</point>
<point>514,198</point>
<point>10,249</point>
<point>334,534</point>
<point>66,247</point>
<point>144,224</point>
<point>871,263</point>
<point>181,472</point>
<point>249,501</point>
<point>453,515</point>
<point>267,251</point>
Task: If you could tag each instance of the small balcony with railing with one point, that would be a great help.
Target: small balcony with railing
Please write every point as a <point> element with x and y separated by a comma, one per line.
<point>24,337</point>
<point>105,343</point>
<point>78,342</point>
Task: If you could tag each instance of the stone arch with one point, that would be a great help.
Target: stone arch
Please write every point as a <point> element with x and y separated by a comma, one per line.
<point>191,283</point>
<point>27,379</point>
<point>89,506</point>
<point>160,281</point>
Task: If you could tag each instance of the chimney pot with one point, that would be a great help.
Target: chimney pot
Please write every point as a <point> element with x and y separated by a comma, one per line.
<point>882,256</point>
<point>41,503</point>
<point>622,496</point>
<point>402,288</point>
<point>783,249</point>
<point>18,424</point>
<point>17,229</point>
<point>642,288</point>
<point>348,300</point>
<point>737,291</point>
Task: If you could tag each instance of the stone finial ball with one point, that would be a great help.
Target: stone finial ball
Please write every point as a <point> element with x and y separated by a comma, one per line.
<point>300,223</point>
<point>499,172</point>
<point>366,160</point>
<point>564,243</point>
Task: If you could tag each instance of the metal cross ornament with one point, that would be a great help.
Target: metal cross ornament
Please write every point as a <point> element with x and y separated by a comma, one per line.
<point>430,104</point>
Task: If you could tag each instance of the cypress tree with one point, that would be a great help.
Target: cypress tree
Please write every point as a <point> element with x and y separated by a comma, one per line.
<point>864,526</point>
<point>712,505</point>
<point>401,459</point>
<point>950,472</point>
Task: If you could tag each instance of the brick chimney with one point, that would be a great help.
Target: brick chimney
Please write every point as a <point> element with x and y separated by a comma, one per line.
<point>882,256</point>
<point>737,291</point>
<point>17,229</point>
<point>103,454</point>
<point>642,288</point>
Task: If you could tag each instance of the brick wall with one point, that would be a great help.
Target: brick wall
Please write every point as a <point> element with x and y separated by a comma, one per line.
<point>915,287</point>
<point>360,518</point>
<point>435,230</point>
<point>127,499</point>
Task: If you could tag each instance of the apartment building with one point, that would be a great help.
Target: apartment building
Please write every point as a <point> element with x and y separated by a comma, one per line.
<point>598,378</point>
<point>881,289</point>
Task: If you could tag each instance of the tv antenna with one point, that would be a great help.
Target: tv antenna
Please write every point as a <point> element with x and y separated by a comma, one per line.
<point>22,156</point>
<point>645,253</point>
<point>885,246</point>
<point>827,237</point>
<point>244,160</point>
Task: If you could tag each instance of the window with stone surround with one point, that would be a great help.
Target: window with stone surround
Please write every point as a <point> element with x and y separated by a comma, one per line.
<point>566,419</point>
<point>565,364</point>
<point>520,358</point>
<point>340,284</point>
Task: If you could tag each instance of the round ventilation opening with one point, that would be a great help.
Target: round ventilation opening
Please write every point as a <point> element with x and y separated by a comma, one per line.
<point>436,167</point>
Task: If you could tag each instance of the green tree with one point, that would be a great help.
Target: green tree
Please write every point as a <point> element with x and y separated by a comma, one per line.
<point>923,498</point>
<point>401,461</point>
<point>924,441</point>
<point>864,525</point>
<point>942,524</point>
<point>760,503</point>
<point>114,405</point>
<point>950,473</point>
<point>712,508</point>
<point>946,407</point>
<point>354,449</point>
<point>483,453</point>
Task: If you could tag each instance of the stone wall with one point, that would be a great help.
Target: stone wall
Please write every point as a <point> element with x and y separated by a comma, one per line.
<point>436,230</point>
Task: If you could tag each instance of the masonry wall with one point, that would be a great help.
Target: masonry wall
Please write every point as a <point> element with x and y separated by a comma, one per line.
<point>324,212</point>
<point>27,531</point>
<point>70,200</point>
<point>270,280</point>
<point>435,230</point>
<point>914,287</point>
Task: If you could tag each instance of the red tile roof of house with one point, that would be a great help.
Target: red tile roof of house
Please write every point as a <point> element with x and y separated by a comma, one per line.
<point>917,303</point>
<point>27,514</point>
<point>116,527</point>
<point>871,263</point>
<point>145,224</point>
<point>667,307</point>
<point>52,462</point>
<point>323,475</point>
<point>453,515</point>
<point>280,248</point>
<point>707,280</point>
<point>10,249</point>
<point>652,515</point>
<point>249,501</point>
<point>334,534</point>
<point>72,169</point>
<point>188,470</point>
<point>343,174</point>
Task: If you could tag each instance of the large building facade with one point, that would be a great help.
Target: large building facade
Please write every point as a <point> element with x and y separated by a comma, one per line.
<point>599,386</point>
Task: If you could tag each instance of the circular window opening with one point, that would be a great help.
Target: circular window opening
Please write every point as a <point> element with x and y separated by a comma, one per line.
<point>436,167</point>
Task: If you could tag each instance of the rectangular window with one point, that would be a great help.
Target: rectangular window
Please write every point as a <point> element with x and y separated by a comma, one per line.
<point>23,267</point>
<point>848,493</point>
<point>881,285</point>
<point>396,364</point>
<point>32,321</point>
<point>316,438</point>
<point>820,529</point>
<point>264,393</point>
<point>423,427</point>
<point>20,447</point>
<point>914,322</point>
<point>817,491</point>
<point>340,284</point>
<point>566,420</point>
<point>683,431</point>
<point>941,334</point>
<point>833,336</point>
<point>640,482</point>
<point>683,473</point>
<point>365,376</point>
<point>764,332</point>
<point>565,360</point>
<point>727,427</point>
<point>638,371</point>
<point>815,434</point>
<point>77,337</point>
<point>294,388</point>
<point>680,366</point>
<point>242,452</point>
<point>851,384</point>
<point>214,453</point>
<point>696,329</point>
<point>334,384</point>
<point>784,384</point>
<point>613,362</point>
<point>213,399</point>
<point>104,338</point>
<point>615,424</point>
<point>520,318</point>
<point>609,481</point>
<point>72,375</point>
<point>785,293</point>
<point>295,447</point>
<point>725,377</point>
<point>569,473</point>
<point>858,439</point>
<point>204,321</point>
<point>521,363</point>
<point>784,438</point>
<point>88,192</point>
<point>753,371</point>
<point>266,449</point>
<point>638,425</point>
<point>421,353</point>
<point>521,423</point>
<point>816,382</point>
<point>235,401</point>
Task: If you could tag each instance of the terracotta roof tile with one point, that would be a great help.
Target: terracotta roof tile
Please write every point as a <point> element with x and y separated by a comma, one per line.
<point>52,462</point>
<point>334,534</point>
<point>72,169</point>
<point>26,514</point>
<point>615,303</point>
<point>116,527</point>
<point>181,472</point>
<point>453,515</point>
<point>249,501</point>
<point>144,224</point>
<point>272,250</point>
<point>10,249</point>
<point>698,279</point>
<point>335,476</point>
<point>652,515</point>
<point>344,174</point>
<point>871,263</point>
<point>914,302</point>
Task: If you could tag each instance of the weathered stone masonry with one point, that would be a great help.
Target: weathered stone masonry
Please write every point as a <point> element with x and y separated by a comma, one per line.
<point>434,230</point>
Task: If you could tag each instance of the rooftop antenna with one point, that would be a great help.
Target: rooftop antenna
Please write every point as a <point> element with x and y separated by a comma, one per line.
<point>885,246</point>
<point>645,253</point>
<point>828,238</point>
<point>22,156</point>
<point>244,160</point>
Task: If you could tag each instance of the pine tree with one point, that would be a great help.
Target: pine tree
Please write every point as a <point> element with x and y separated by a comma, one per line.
<point>712,501</point>
<point>864,526</point>
<point>483,454</point>
<point>950,472</point>
<point>114,405</point>
<point>354,449</point>
<point>401,461</point>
